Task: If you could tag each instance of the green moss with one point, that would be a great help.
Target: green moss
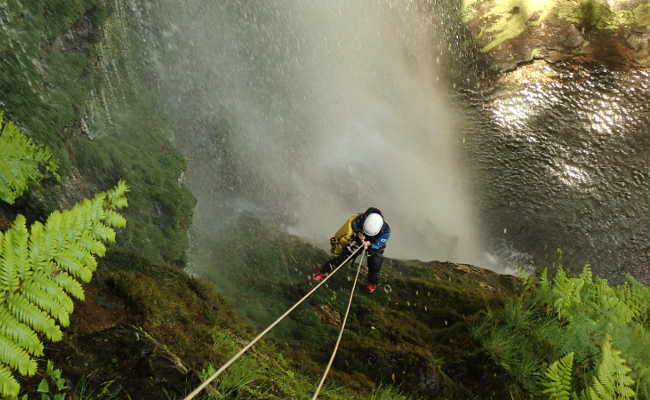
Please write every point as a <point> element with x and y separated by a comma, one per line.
<point>179,311</point>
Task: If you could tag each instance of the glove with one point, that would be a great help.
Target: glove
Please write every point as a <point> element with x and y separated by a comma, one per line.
<point>352,246</point>
<point>335,246</point>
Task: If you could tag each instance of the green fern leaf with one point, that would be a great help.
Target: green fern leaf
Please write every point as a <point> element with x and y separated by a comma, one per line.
<point>557,379</point>
<point>20,333</point>
<point>104,233</point>
<point>20,162</point>
<point>70,285</point>
<point>8,384</point>
<point>114,219</point>
<point>49,286</point>
<point>31,315</point>
<point>46,302</point>
<point>16,358</point>
<point>9,259</point>
<point>68,263</point>
<point>568,294</point>
<point>612,380</point>
<point>40,269</point>
<point>92,246</point>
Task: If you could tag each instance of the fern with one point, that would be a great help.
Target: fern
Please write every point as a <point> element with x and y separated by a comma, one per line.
<point>40,269</point>
<point>612,381</point>
<point>568,293</point>
<point>557,379</point>
<point>574,315</point>
<point>20,162</point>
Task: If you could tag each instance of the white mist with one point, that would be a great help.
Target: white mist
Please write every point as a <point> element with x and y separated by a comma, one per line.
<point>333,106</point>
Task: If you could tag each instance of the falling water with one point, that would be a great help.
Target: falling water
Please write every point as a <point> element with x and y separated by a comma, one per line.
<point>309,111</point>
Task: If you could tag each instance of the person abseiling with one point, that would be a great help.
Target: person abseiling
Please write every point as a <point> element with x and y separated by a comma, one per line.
<point>369,230</point>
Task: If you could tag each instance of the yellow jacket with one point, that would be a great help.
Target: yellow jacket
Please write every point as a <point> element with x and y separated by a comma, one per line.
<point>343,236</point>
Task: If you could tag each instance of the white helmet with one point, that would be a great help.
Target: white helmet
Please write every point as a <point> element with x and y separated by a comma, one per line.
<point>372,225</point>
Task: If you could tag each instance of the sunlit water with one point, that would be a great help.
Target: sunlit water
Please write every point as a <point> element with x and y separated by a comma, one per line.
<point>565,164</point>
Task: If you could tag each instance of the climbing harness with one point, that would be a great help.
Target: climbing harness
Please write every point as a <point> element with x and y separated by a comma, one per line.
<point>277,321</point>
<point>338,340</point>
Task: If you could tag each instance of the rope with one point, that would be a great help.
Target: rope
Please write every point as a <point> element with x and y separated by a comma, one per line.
<point>265,331</point>
<point>338,341</point>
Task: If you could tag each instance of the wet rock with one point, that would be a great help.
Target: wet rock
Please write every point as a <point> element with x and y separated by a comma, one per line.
<point>79,37</point>
<point>329,315</point>
<point>572,37</point>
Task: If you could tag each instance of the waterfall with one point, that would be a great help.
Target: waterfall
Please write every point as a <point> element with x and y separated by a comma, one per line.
<point>309,111</point>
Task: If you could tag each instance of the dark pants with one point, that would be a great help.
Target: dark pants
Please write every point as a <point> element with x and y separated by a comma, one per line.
<point>374,263</point>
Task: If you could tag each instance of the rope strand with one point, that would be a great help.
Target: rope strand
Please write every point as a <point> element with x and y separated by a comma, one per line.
<point>338,340</point>
<point>265,331</point>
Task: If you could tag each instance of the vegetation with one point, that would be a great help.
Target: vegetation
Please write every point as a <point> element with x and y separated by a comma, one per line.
<point>76,87</point>
<point>439,330</point>
<point>581,335</point>
<point>266,375</point>
<point>21,161</point>
<point>39,271</point>
<point>413,332</point>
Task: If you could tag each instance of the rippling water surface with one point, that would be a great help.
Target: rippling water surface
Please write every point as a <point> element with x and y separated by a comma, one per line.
<point>563,159</point>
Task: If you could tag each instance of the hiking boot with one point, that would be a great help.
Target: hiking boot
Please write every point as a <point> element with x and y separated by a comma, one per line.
<point>317,276</point>
<point>371,287</point>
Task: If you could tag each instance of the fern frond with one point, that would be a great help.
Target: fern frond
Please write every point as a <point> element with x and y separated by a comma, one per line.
<point>114,219</point>
<point>40,269</point>
<point>67,262</point>
<point>8,384</point>
<point>557,379</point>
<point>20,162</point>
<point>9,277</point>
<point>567,291</point>
<point>104,233</point>
<point>636,296</point>
<point>586,274</point>
<point>92,245</point>
<point>612,380</point>
<point>610,304</point>
<point>49,286</point>
<point>29,314</point>
<point>46,302</point>
<point>117,196</point>
<point>16,358</point>
<point>70,285</point>
<point>20,333</point>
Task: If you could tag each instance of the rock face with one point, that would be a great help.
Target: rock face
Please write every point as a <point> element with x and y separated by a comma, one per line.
<point>512,32</point>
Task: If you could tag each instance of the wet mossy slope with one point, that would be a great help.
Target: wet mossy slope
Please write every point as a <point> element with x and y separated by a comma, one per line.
<point>413,332</point>
<point>148,330</point>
